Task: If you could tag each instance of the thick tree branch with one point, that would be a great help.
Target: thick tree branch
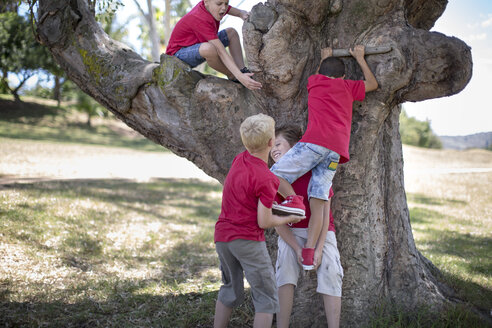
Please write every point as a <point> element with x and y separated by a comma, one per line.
<point>424,13</point>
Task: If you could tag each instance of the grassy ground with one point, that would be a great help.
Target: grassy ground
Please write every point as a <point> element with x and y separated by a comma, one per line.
<point>450,202</point>
<point>117,252</point>
<point>108,253</point>
<point>41,120</point>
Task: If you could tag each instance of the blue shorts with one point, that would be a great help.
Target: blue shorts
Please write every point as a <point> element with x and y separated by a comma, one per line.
<point>305,157</point>
<point>191,55</point>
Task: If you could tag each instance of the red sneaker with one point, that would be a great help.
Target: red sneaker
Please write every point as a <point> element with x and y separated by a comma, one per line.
<point>307,258</point>
<point>292,205</point>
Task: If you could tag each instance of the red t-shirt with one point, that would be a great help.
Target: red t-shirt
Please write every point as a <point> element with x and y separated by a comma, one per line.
<point>248,180</point>
<point>330,112</point>
<point>197,26</point>
<point>301,187</point>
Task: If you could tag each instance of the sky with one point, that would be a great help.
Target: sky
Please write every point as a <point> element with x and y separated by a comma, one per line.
<point>469,111</point>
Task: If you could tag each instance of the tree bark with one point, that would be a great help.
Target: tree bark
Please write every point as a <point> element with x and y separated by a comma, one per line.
<point>198,117</point>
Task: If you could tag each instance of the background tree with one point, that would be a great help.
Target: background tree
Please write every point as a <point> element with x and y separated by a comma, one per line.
<point>417,133</point>
<point>157,24</point>
<point>20,53</point>
<point>9,6</point>
<point>198,117</point>
<point>150,19</point>
<point>174,10</point>
<point>85,104</point>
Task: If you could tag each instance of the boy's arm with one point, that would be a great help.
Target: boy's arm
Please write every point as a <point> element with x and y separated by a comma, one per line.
<point>268,220</point>
<point>287,235</point>
<point>244,78</point>
<point>370,80</point>
<point>243,14</point>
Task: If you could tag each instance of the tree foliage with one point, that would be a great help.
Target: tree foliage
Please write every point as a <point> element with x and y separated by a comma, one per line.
<point>165,18</point>
<point>417,133</point>
<point>20,53</point>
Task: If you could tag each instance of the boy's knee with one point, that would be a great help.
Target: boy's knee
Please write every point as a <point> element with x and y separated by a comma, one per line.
<point>232,33</point>
<point>207,50</point>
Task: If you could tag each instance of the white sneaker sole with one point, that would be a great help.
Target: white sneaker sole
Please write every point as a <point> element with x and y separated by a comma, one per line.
<point>283,210</point>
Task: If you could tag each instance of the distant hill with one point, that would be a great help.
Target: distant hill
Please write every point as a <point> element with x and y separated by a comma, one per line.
<point>478,140</point>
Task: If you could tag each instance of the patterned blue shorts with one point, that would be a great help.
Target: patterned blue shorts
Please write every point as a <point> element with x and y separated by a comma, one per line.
<point>191,55</point>
<point>305,157</point>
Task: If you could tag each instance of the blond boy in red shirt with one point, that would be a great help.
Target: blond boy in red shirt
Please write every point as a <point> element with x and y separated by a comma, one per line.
<point>247,199</point>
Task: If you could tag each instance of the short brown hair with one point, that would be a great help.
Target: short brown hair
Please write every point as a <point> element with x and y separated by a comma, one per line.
<point>291,133</point>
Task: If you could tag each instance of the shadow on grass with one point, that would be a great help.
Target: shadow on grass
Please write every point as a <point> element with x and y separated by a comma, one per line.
<point>475,249</point>
<point>458,254</point>
<point>388,313</point>
<point>426,200</point>
<point>188,194</point>
<point>11,111</point>
<point>162,300</point>
<point>421,215</point>
<point>186,203</point>
<point>467,255</point>
<point>32,121</point>
<point>124,306</point>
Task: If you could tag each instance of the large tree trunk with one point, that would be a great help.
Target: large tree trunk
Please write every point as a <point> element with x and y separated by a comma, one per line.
<point>198,117</point>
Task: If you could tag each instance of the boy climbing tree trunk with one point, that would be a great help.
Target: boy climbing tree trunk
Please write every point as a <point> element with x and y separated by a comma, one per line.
<point>195,116</point>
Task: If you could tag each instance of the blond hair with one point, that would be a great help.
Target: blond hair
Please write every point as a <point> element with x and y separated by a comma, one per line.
<point>256,131</point>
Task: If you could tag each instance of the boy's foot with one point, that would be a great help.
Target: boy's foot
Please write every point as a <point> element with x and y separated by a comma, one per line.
<point>307,258</point>
<point>292,205</point>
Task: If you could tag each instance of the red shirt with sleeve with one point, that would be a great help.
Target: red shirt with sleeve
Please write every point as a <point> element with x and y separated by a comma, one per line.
<point>301,187</point>
<point>330,112</point>
<point>197,26</point>
<point>248,181</point>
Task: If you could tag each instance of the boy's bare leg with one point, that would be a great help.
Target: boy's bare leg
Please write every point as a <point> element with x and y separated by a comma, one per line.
<point>209,52</point>
<point>315,222</point>
<point>222,315</point>
<point>263,320</point>
<point>235,47</point>
<point>285,299</point>
<point>333,305</point>
<point>285,188</point>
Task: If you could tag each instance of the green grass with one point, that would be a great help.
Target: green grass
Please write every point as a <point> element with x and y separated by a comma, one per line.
<point>109,253</point>
<point>454,316</point>
<point>33,120</point>
<point>458,241</point>
<point>452,226</point>
<point>459,246</point>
